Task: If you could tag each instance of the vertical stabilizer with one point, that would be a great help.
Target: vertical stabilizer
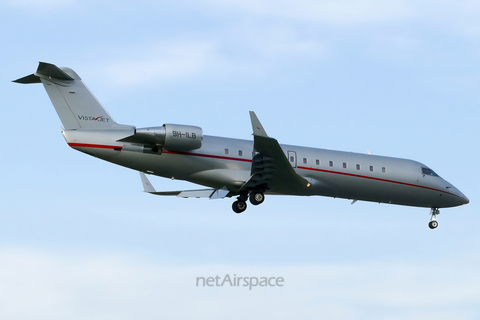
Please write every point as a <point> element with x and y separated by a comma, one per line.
<point>76,106</point>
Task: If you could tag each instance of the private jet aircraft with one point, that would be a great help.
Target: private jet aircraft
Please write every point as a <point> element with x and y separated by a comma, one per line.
<point>247,170</point>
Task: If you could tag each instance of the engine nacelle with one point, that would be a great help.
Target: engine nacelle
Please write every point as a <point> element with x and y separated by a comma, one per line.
<point>175,137</point>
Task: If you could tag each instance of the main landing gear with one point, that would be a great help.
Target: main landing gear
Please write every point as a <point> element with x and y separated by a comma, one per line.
<point>433,220</point>
<point>239,206</point>
<point>256,198</point>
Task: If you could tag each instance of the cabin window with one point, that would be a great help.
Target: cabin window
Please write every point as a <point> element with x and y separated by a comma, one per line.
<point>384,170</point>
<point>358,166</point>
<point>226,151</point>
<point>292,159</point>
<point>305,160</point>
<point>330,163</point>
<point>429,172</point>
<point>317,162</point>
<point>345,165</point>
<point>240,153</point>
<point>371,168</point>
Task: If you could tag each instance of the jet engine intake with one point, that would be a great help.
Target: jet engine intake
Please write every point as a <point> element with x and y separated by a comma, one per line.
<point>174,137</point>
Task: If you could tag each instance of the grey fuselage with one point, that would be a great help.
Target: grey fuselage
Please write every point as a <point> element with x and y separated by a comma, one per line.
<point>226,163</point>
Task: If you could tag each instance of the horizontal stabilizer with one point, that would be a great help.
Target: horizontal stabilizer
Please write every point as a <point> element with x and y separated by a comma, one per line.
<point>51,70</point>
<point>47,71</point>
<point>28,79</point>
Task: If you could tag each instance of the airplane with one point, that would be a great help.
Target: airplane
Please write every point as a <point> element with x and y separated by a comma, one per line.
<point>247,170</point>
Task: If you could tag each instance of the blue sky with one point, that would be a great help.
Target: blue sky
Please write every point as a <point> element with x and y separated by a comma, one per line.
<point>80,240</point>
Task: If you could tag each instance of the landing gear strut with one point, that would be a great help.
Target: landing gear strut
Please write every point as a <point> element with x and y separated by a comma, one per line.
<point>433,220</point>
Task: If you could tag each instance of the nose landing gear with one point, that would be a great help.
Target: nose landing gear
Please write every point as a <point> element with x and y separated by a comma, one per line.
<point>433,220</point>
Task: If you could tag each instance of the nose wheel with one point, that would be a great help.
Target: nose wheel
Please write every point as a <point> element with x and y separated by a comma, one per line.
<point>433,219</point>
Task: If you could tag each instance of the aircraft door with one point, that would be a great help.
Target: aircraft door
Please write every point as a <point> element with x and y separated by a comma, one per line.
<point>292,158</point>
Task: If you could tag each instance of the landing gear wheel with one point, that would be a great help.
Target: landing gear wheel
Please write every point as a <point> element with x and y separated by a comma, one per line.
<point>256,197</point>
<point>239,206</point>
<point>433,224</point>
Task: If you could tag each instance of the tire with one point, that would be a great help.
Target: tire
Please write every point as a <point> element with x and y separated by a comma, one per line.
<point>433,224</point>
<point>239,206</point>
<point>256,198</point>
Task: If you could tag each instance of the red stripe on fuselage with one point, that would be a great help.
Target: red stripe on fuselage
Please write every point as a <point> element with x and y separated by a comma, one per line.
<point>86,145</point>
<point>313,169</point>
<point>249,160</point>
<point>373,178</point>
<point>207,156</point>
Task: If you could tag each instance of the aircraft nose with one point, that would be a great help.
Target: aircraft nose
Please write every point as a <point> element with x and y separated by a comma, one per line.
<point>463,198</point>
<point>458,198</point>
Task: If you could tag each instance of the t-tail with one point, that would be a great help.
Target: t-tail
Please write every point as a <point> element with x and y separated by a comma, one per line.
<point>76,106</point>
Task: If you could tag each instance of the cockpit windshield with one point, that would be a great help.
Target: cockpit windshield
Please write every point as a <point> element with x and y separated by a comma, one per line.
<point>429,172</point>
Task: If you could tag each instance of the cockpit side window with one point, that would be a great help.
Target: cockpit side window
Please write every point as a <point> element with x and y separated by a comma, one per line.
<point>429,172</point>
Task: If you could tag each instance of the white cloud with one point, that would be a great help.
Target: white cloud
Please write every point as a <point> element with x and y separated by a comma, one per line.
<point>43,6</point>
<point>455,16</point>
<point>275,41</point>
<point>336,12</point>
<point>169,61</point>
<point>255,52</point>
<point>77,285</point>
<point>254,39</point>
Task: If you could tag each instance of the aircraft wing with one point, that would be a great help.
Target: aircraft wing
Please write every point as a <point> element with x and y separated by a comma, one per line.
<point>270,167</point>
<point>202,193</point>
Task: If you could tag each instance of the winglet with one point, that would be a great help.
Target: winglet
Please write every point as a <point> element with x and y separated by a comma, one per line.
<point>147,186</point>
<point>257,126</point>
